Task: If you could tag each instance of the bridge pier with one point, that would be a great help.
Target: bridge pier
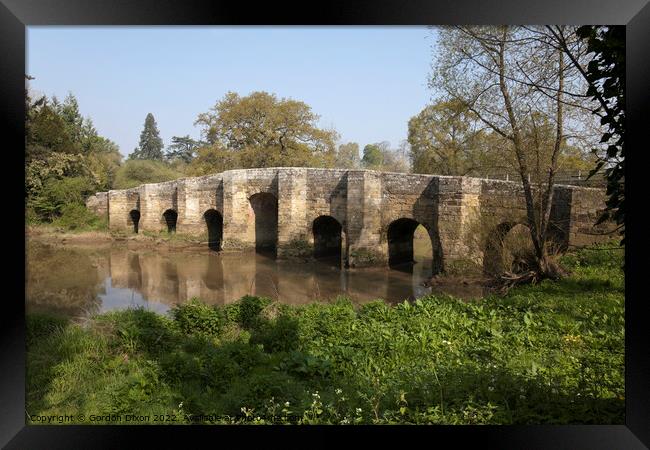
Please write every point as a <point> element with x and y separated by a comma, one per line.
<point>294,236</point>
<point>364,236</point>
<point>237,212</point>
<point>457,213</point>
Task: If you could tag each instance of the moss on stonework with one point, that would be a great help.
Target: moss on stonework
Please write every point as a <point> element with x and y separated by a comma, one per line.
<point>363,257</point>
<point>296,248</point>
<point>235,244</point>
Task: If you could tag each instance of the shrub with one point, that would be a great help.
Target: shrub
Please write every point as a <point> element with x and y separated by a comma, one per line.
<point>197,318</point>
<point>56,194</point>
<point>75,216</point>
<point>279,335</point>
<point>136,172</point>
<point>39,326</point>
<point>246,311</point>
<point>139,329</point>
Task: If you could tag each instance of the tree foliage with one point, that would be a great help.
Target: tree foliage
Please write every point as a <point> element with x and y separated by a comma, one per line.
<point>347,156</point>
<point>260,130</point>
<point>373,156</point>
<point>446,138</point>
<point>66,159</point>
<point>605,74</point>
<point>380,156</point>
<point>136,172</point>
<point>151,145</point>
<point>183,148</point>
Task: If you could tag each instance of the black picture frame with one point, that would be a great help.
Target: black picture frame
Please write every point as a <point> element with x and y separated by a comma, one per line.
<point>16,15</point>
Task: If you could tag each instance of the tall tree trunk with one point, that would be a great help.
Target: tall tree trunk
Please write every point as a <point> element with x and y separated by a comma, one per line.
<point>548,197</point>
<point>519,151</point>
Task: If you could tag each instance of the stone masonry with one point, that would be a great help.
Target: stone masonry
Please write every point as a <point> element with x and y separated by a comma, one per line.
<point>367,205</point>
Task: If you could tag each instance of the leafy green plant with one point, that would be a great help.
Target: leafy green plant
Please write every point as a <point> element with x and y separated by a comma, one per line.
<point>548,353</point>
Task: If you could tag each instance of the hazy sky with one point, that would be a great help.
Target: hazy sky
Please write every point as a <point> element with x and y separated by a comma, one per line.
<point>366,82</point>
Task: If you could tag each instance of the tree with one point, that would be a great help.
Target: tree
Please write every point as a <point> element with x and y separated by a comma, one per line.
<point>397,160</point>
<point>373,156</point>
<point>213,159</point>
<point>47,132</point>
<point>604,73</point>
<point>151,144</point>
<point>347,156</point>
<point>183,148</point>
<point>380,156</point>
<point>136,172</point>
<point>515,79</point>
<point>66,159</point>
<point>445,139</point>
<point>69,112</point>
<point>265,131</point>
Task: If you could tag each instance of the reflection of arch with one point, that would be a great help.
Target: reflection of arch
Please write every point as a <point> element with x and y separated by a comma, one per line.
<point>170,217</point>
<point>213,275</point>
<point>214,223</point>
<point>134,215</point>
<point>265,209</point>
<point>493,256</point>
<point>327,237</point>
<point>135,271</point>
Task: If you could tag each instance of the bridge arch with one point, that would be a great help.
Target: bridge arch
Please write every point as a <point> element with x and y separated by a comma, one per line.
<point>409,242</point>
<point>507,245</point>
<point>265,212</point>
<point>328,237</point>
<point>214,223</point>
<point>170,217</point>
<point>134,219</point>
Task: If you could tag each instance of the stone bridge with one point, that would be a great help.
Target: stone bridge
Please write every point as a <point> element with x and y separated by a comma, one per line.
<point>362,216</point>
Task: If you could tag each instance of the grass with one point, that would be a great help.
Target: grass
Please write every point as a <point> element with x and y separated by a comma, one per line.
<point>551,353</point>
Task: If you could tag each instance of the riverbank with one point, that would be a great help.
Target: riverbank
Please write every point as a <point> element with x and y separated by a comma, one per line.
<point>57,237</point>
<point>551,353</point>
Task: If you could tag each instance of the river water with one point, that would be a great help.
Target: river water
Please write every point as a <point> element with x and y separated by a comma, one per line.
<point>78,281</point>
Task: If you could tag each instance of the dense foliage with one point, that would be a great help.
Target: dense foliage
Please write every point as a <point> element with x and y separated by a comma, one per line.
<point>151,144</point>
<point>551,353</point>
<point>606,76</point>
<point>446,138</point>
<point>135,172</point>
<point>66,160</point>
<point>260,130</point>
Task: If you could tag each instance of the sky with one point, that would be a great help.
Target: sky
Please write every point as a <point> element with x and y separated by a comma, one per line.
<point>365,82</point>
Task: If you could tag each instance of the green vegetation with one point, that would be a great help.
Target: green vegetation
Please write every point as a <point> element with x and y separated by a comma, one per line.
<point>550,353</point>
<point>135,172</point>
<point>298,248</point>
<point>260,130</point>
<point>606,79</point>
<point>66,161</point>
<point>151,144</point>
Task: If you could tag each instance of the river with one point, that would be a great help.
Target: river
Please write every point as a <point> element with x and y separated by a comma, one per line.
<point>81,280</point>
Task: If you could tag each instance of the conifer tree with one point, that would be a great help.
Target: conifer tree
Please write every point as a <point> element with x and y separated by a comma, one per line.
<point>151,144</point>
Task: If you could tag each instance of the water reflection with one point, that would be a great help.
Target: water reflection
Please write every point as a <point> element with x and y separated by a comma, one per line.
<point>77,281</point>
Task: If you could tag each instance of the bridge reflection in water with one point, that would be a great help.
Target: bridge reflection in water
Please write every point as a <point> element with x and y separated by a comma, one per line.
<point>116,277</point>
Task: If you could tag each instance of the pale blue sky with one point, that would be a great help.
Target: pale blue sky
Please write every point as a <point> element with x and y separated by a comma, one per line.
<point>366,82</point>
